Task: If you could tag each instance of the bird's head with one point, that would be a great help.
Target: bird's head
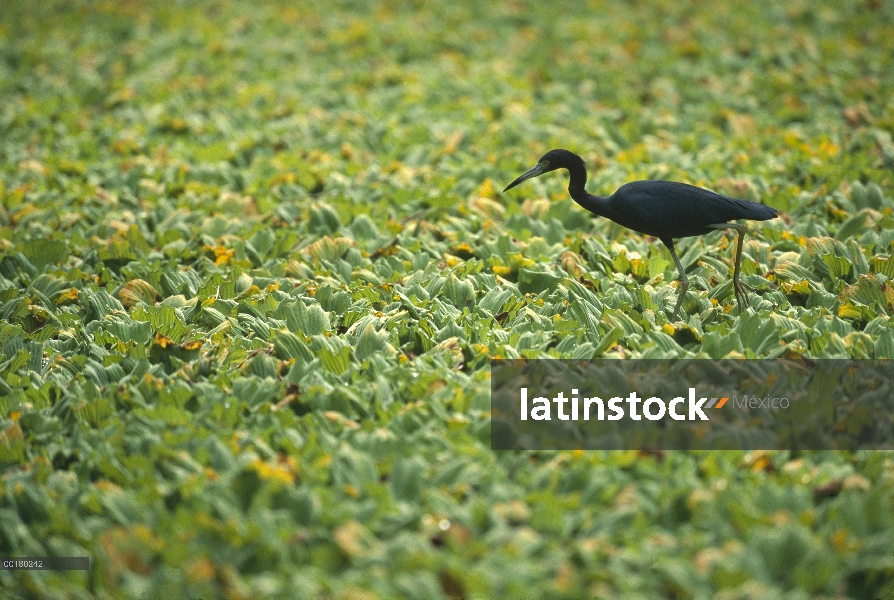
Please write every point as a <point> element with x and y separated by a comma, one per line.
<point>552,160</point>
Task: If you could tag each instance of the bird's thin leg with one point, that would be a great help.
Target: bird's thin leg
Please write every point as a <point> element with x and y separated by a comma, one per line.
<point>684,281</point>
<point>739,288</point>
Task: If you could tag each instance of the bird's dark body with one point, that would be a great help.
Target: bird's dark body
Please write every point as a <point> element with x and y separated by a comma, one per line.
<point>663,209</point>
<point>668,209</point>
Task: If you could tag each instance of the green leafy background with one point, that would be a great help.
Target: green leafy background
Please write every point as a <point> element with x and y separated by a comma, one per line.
<point>254,262</point>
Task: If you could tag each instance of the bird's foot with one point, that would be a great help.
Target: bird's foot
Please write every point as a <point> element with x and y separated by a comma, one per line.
<point>745,286</point>
<point>684,287</point>
<point>741,292</point>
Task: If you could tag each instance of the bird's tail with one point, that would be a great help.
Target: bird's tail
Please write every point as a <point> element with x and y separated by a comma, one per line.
<point>755,211</point>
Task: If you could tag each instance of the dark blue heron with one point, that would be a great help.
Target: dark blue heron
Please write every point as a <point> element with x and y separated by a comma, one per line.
<point>662,209</point>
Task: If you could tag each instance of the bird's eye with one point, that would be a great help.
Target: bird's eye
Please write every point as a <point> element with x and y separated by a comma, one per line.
<point>545,163</point>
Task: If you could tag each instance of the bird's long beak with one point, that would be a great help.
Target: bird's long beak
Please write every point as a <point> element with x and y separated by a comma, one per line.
<point>534,171</point>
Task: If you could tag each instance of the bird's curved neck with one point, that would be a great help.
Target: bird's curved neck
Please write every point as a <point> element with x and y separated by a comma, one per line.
<point>577,189</point>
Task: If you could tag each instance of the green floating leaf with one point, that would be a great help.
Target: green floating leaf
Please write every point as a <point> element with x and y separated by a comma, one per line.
<point>323,219</point>
<point>17,264</point>
<point>127,330</point>
<point>371,343</point>
<point>883,265</point>
<point>136,291</point>
<point>718,346</point>
<point>645,299</point>
<point>180,282</point>
<point>821,298</point>
<point>98,304</point>
<point>583,351</point>
<point>839,266</point>
<point>213,316</point>
<point>95,412</point>
<point>460,293</point>
<point>407,478</point>
<point>328,249</point>
<point>494,299</point>
<point>854,226</point>
<point>608,340</point>
<point>334,353</point>
<point>262,241</point>
<point>884,344</point>
<point>621,263</point>
<point>618,318</point>
<point>287,345</point>
<point>117,250</point>
<point>869,196</point>
<point>758,334</point>
<point>664,346</point>
<point>180,301</point>
<point>300,318</point>
<point>256,391</point>
<point>243,283</point>
<point>12,444</point>
<point>15,362</point>
<point>794,272</point>
<point>338,303</point>
<point>586,314</point>
<point>363,228</point>
<point>659,264</point>
<point>858,195</point>
<point>220,287</point>
<point>875,196</point>
<point>263,366</point>
<point>869,292</point>
<point>535,282</point>
<point>164,319</point>
<point>45,252</point>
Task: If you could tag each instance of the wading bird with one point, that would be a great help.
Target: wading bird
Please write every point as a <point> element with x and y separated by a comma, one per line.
<point>662,209</point>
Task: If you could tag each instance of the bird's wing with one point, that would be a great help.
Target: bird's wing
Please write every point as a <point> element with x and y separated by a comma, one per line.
<point>668,209</point>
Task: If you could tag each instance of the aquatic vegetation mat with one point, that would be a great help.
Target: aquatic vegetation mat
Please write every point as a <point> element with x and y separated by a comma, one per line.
<point>254,265</point>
